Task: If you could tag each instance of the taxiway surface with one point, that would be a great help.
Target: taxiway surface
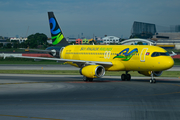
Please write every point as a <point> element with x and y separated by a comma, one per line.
<point>66,97</point>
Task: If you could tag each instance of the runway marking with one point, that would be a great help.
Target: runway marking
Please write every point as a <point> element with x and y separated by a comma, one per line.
<point>29,117</point>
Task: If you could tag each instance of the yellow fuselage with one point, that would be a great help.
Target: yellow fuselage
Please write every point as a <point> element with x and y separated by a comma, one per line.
<point>132,57</point>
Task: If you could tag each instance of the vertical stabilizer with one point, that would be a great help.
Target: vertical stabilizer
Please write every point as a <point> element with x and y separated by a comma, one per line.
<point>57,36</point>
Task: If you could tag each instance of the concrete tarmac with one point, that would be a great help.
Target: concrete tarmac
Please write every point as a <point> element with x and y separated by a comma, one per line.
<point>67,97</point>
<point>52,67</point>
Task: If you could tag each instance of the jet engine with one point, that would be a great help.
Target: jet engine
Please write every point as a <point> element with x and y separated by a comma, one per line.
<point>92,71</point>
<point>55,51</point>
<point>148,73</point>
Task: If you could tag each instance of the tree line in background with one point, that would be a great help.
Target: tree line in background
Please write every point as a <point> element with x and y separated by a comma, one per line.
<point>38,40</point>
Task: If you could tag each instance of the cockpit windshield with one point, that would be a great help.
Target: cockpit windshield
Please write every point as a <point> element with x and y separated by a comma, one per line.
<point>155,54</point>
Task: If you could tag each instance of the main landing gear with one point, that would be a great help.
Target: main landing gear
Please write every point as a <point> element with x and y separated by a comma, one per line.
<point>152,80</point>
<point>126,76</point>
<point>87,79</point>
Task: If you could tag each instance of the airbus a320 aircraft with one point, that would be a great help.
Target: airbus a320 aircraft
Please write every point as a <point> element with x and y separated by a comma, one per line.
<point>94,60</point>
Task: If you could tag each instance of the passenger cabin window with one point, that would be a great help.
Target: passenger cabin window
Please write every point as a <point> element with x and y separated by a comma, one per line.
<point>155,54</point>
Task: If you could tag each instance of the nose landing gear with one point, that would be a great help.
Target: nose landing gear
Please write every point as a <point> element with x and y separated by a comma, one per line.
<point>152,80</point>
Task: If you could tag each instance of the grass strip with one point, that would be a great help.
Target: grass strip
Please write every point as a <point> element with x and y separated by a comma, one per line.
<point>76,72</point>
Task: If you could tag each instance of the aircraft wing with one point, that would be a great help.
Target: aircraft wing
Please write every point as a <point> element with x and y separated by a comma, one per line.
<point>68,60</point>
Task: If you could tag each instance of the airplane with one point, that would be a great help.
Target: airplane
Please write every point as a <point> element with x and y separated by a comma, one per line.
<point>94,60</point>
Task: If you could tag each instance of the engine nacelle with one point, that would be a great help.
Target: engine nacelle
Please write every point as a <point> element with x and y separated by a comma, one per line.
<point>148,73</point>
<point>92,71</point>
<point>157,73</point>
<point>55,51</point>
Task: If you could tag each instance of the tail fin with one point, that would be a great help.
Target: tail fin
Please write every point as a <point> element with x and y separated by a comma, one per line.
<point>58,38</point>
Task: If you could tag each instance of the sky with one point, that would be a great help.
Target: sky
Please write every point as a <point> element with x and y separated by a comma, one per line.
<point>90,17</point>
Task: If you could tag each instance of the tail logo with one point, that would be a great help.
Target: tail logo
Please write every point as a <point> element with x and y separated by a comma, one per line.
<point>125,56</point>
<point>57,35</point>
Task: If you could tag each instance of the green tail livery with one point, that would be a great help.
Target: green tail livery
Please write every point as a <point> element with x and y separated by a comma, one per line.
<point>57,38</point>
<point>56,32</point>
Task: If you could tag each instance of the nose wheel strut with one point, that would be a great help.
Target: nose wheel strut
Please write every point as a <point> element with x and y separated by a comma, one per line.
<point>152,80</point>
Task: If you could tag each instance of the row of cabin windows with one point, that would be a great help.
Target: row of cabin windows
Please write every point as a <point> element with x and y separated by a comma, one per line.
<point>81,53</point>
<point>155,54</point>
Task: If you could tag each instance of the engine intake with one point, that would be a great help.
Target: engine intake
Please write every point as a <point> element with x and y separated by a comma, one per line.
<point>92,71</point>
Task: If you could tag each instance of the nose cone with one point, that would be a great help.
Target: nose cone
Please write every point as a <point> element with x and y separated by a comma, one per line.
<point>169,63</point>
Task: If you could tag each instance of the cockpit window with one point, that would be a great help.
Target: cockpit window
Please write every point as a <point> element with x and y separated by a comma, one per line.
<point>155,54</point>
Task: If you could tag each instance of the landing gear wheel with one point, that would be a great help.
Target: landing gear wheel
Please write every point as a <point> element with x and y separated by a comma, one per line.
<point>151,81</point>
<point>84,78</point>
<point>87,79</point>
<point>128,77</point>
<point>90,79</point>
<point>123,77</point>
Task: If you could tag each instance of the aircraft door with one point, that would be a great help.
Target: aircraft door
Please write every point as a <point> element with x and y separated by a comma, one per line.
<point>143,54</point>
<point>107,54</point>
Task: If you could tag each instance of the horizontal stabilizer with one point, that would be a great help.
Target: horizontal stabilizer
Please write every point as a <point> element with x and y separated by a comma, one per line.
<point>38,50</point>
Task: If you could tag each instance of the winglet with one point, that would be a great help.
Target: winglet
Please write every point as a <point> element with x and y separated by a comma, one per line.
<point>173,54</point>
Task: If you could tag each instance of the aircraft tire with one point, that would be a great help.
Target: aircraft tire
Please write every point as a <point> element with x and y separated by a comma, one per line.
<point>123,77</point>
<point>90,79</point>
<point>85,78</point>
<point>128,77</point>
<point>151,81</point>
